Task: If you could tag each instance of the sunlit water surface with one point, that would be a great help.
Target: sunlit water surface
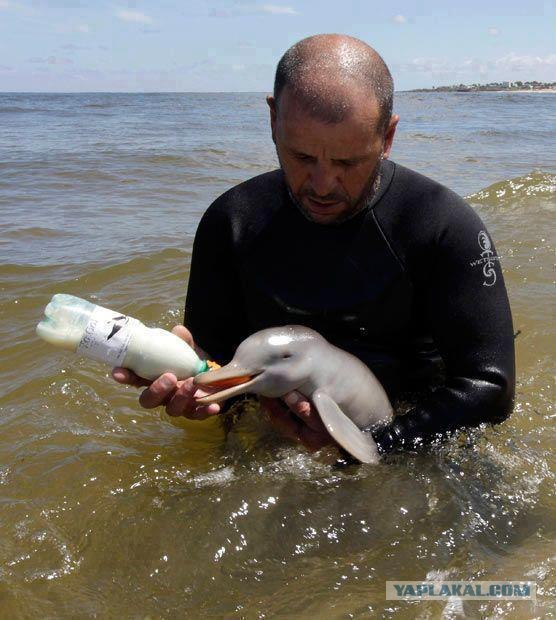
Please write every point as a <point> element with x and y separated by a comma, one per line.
<point>108,510</point>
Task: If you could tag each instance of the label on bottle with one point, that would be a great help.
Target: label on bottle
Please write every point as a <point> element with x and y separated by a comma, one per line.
<point>106,337</point>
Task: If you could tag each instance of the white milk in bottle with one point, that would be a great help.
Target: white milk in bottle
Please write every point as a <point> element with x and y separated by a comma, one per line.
<point>117,339</point>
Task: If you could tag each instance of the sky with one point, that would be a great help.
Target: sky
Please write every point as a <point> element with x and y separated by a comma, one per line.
<point>228,45</point>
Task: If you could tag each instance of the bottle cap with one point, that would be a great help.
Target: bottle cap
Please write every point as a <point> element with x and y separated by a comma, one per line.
<point>207,365</point>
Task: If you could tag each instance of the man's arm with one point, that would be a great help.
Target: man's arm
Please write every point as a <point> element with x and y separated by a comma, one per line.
<point>468,312</point>
<point>212,315</point>
<point>214,310</point>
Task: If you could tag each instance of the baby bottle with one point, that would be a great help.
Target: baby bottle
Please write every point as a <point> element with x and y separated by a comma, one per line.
<point>116,339</point>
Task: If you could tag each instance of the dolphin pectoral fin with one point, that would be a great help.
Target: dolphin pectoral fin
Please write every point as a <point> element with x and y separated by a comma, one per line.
<point>360,445</point>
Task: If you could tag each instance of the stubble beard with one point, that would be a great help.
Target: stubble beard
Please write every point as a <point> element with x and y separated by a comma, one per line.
<point>366,197</point>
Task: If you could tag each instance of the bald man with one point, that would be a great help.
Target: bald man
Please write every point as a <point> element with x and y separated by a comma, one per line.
<point>382,261</point>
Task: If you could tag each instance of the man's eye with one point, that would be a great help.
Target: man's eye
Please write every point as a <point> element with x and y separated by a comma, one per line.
<point>302,157</point>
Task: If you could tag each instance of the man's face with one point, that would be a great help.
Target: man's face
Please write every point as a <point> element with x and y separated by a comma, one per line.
<point>330,168</point>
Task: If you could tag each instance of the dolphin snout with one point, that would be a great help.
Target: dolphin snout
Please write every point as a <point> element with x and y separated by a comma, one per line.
<point>229,380</point>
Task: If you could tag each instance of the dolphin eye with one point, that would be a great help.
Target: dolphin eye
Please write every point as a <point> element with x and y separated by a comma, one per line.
<point>285,356</point>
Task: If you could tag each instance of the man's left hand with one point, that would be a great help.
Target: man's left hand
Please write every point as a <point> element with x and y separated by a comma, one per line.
<point>294,417</point>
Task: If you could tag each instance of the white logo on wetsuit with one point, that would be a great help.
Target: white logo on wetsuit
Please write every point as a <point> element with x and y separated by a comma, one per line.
<point>487,260</point>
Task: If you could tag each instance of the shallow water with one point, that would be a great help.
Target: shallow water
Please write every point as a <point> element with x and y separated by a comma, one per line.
<point>109,510</point>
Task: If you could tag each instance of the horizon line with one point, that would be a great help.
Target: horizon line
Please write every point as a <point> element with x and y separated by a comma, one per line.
<point>171,92</point>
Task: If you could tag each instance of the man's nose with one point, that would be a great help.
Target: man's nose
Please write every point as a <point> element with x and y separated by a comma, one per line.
<point>323,179</point>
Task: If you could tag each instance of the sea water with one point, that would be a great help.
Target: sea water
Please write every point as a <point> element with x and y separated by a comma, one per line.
<point>110,510</point>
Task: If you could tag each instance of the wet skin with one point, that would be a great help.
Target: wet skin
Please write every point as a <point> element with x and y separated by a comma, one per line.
<point>330,168</point>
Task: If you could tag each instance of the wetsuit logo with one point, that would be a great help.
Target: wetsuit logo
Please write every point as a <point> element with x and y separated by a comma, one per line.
<point>487,260</point>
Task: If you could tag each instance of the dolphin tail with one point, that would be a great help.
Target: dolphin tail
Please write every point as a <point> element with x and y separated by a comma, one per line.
<point>359,444</point>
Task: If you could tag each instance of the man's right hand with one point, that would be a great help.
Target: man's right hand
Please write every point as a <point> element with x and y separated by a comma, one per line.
<point>178,397</point>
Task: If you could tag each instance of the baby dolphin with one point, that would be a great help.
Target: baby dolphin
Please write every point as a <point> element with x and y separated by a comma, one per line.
<point>275,361</point>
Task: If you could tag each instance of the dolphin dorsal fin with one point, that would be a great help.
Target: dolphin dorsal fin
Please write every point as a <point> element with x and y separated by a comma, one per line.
<point>352,439</point>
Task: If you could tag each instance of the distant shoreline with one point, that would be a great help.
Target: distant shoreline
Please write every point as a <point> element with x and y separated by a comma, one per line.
<point>480,90</point>
<point>466,92</point>
<point>523,90</point>
<point>240,92</point>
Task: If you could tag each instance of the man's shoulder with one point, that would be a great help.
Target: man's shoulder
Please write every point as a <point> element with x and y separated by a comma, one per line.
<point>246,197</point>
<point>418,214</point>
<point>415,186</point>
<point>245,209</point>
<point>414,197</point>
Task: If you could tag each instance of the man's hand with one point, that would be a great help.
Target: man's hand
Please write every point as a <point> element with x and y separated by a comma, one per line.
<point>297,420</point>
<point>177,396</point>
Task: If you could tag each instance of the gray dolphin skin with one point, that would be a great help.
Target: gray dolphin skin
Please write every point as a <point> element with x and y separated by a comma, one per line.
<point>275,361</point>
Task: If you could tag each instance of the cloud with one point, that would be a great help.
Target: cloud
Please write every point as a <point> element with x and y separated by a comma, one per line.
<point>16,7</point>
<point>8,5</point>
<point>210,71</point>
<point>220,13</point>
<point>515,62</point>
<point>399,19</point>
<point>428,65</point>
<point>442,68</point>
<point>473,65</point>
<point>253,9</point>
<point>493,32</point>
<point>71,47</point>
<point>134,16</point>
<point>503,68</point>
<point>51,60</point>
<point>274,9</point>
<point>65,28</point>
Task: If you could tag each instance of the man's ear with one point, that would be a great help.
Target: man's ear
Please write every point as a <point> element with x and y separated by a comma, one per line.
<point>389,136</point>
<point>272,106</point>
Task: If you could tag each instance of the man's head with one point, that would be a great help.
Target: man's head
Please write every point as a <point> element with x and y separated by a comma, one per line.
<point>331,118</point>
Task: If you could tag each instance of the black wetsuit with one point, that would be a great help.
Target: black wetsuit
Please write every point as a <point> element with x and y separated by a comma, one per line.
<point>410,280</point>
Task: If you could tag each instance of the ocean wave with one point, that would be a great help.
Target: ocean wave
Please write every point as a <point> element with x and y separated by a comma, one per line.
<point>169,159</point>
<point>147,280</point>
<point>35,231</point>
<point>536,187</point>
<point>18,110</point>
<point>494,132</point>
<point>431,137</point>
<point>26,270</point>
<point>85,175</point>
<point>45,111</point>
<point>101,105</point>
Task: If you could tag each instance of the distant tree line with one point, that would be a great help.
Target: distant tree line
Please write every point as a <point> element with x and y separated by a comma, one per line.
<point>465,88</point>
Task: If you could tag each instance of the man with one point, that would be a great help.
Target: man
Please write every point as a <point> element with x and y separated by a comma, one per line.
<point>385,263</point>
